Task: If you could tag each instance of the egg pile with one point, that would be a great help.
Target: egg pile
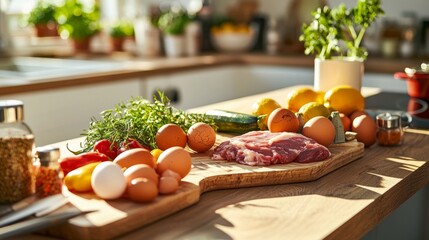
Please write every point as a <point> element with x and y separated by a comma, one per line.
<point>136,175</point>
<point>141,175</point>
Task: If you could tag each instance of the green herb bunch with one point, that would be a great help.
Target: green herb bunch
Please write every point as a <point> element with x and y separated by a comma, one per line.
<point>173,22</point>
<point>78,21</point>
<point>122,28</point>
<point>42,13</point>
<point>139,119</point>
<point>339,31</point>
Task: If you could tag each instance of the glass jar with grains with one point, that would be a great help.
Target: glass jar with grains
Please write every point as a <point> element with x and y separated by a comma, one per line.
<point>17,171</point>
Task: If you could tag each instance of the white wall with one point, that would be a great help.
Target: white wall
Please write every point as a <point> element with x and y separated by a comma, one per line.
<point>279,8</point>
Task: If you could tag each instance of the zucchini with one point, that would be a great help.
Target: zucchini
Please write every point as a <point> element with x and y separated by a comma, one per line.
<point>235,122</point>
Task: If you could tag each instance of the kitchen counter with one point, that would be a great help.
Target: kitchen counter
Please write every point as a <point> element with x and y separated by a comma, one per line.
<point>345,204</point>
<point>129,66</point>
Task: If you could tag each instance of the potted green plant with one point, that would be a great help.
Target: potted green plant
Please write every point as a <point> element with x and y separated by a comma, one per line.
<point>119,32</point>
<point>43,18</point>
<point>335,36</point>
<point>172,24</point>
<point>79,22</point>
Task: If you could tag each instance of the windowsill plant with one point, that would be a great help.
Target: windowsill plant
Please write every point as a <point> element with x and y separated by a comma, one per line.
<point>79,23</point>
<point>119,32</point>
<point>173,24</point>
<point>43,18</point>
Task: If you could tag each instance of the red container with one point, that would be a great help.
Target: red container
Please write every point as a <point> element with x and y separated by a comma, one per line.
<point>417,81</point>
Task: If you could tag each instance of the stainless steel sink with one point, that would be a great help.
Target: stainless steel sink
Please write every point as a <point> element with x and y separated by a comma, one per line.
<point>30,69</point>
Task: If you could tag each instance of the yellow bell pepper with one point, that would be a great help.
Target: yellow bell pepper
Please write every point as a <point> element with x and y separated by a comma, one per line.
<point>79,179</point>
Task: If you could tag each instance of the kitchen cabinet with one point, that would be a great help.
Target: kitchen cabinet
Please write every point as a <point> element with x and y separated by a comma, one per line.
<point>205,86</point>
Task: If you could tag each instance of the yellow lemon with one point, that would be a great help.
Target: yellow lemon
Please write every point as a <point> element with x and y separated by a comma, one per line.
<point>300,96</point>
<point>320,96</point>
<point>344,99</point>
<point>313,109</point>
<point>264,106</point>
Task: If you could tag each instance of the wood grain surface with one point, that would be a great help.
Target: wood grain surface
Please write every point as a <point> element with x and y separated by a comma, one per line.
<point>344,204</point>
<point>114,218</point>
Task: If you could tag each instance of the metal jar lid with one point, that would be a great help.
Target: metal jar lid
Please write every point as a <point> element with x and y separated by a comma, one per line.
<point>388,120</point>
<point>48,155</point>
<point>11,111</point>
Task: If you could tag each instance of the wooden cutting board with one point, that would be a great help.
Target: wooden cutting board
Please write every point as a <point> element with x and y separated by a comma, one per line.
<point>113,218</point>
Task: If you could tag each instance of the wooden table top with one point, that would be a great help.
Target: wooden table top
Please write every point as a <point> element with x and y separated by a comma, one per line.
<point>345,204</point>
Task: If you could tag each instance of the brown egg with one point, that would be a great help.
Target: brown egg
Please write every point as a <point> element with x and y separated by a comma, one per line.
<point>142,190</point>
<point>357,114</point>
<point>321,129</point>
<point>201,137</point>
<point>142,171</point>
<point>283,120</point>
<point>176,159</point>
<point>347,123</point>
<point>134,156</point>
<point>168,185</point>
<point>170,135</point>
<point>171,173</point>
<point>366,129</point>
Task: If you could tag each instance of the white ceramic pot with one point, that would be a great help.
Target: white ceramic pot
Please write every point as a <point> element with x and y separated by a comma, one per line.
<point>338,71</point>
<point>174,45</point>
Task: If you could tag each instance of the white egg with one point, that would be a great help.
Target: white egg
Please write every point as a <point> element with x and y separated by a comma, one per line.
<point>108,180</point>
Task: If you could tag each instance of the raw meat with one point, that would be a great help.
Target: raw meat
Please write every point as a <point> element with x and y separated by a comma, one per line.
<point>266,148</point>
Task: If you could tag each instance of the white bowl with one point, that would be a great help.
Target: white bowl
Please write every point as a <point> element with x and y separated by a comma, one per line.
<point>233,42</point>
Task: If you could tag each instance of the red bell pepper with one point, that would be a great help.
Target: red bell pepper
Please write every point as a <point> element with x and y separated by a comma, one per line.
<point>106,147</point>
<point>70,163</point>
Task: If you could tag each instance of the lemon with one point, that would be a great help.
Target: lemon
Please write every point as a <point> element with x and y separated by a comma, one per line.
<point>300,96</point>
<point>344,99</point>
<point>320,96</point>
<point>313,109</point>
<point>264,106</point>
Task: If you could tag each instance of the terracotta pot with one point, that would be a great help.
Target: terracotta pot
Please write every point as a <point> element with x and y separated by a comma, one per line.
<point>82,45</point>
<point>417,81</point>
<point>47,30</point>
<point>118,44</point>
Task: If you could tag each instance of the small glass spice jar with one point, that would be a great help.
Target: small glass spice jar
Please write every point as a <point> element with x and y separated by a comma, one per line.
<point>49,176</point>
<point>17,173</point>
<point>390,132</point>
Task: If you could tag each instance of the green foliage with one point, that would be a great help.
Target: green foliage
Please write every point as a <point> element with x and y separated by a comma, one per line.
<point>173,23</point>
<point>42,13</point>
<point>122,28</point>
<point>139,119</point>
<point>78,21</point>
<point>339,31</point>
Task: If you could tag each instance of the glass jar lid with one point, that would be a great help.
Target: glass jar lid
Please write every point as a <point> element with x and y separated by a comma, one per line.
<point>388,120</point>
<point>48,155</point>
<point>11,111</point>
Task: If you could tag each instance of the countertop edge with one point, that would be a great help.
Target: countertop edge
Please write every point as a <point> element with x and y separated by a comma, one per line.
<point>134,67</point>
